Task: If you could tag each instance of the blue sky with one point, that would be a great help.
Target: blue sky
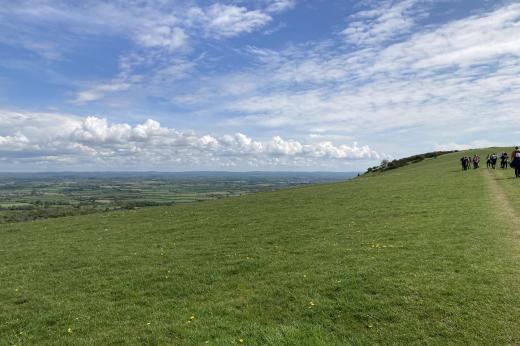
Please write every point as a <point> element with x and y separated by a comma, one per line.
<point>253,85</point>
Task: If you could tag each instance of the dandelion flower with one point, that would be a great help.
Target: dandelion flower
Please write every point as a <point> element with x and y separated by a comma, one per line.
<point>69,330</point>
<point>192,317</point>
<point>241,341</point>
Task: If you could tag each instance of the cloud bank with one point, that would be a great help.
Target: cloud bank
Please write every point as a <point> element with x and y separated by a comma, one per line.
<point>43,138</point>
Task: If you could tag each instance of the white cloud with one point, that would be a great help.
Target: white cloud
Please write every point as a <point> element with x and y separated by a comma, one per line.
<point>276,6</point>
<point>385,22</point>
<point>472,145</point>
<point>395,84</point>
<point>99,92</point>
<point>150,24</point>
<point>457,80</point>
<point>475,40</point>
<point>162,36</point>
<point>18,142</point>
<point>219,20</point>
<point>93,140</point>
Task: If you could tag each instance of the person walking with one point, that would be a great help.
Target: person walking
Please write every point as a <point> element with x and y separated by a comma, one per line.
<point>476,161</point>
<point>463,163</point>
<point>515,163</point>
<point>494,159</point>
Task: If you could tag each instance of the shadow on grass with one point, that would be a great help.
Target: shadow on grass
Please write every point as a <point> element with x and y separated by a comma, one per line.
<point>462,171</point>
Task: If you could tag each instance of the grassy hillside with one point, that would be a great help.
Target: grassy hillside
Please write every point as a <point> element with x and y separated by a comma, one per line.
<point>424,254</point>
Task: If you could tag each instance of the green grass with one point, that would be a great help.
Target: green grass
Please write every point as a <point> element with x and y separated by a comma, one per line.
<point>418,255</point>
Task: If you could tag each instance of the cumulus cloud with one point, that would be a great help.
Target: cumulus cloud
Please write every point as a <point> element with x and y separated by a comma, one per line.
<point>18,142</point>
<point>94,139</point>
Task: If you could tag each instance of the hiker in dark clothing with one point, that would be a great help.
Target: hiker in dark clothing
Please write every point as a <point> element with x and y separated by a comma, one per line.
<point>504,160</point>
<point>494,159</point>
<point>465,161</point>
<point>488,161</point>
<point>515,157</point>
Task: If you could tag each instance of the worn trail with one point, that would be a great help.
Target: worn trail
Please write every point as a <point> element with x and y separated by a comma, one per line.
<point>501,201</point>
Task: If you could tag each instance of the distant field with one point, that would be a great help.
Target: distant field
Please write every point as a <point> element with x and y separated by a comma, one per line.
<point>14,205</point>
<point>25,197</point>
<point>420,255</point>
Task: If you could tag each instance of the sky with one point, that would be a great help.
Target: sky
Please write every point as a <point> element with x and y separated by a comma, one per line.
<point>278,85</point>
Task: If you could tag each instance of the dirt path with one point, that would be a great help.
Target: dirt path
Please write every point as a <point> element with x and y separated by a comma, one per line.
<point>503,206</point>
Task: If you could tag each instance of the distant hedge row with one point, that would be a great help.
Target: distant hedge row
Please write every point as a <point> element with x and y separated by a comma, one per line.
<point>387,165</point>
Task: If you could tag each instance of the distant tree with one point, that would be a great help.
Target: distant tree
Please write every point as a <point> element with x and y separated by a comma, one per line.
<point>384,163</point>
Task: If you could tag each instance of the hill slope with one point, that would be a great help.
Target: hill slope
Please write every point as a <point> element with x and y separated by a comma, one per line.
<point>421,254</point>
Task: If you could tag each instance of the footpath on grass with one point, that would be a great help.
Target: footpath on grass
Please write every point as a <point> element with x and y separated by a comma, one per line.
<point>503,207</point>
